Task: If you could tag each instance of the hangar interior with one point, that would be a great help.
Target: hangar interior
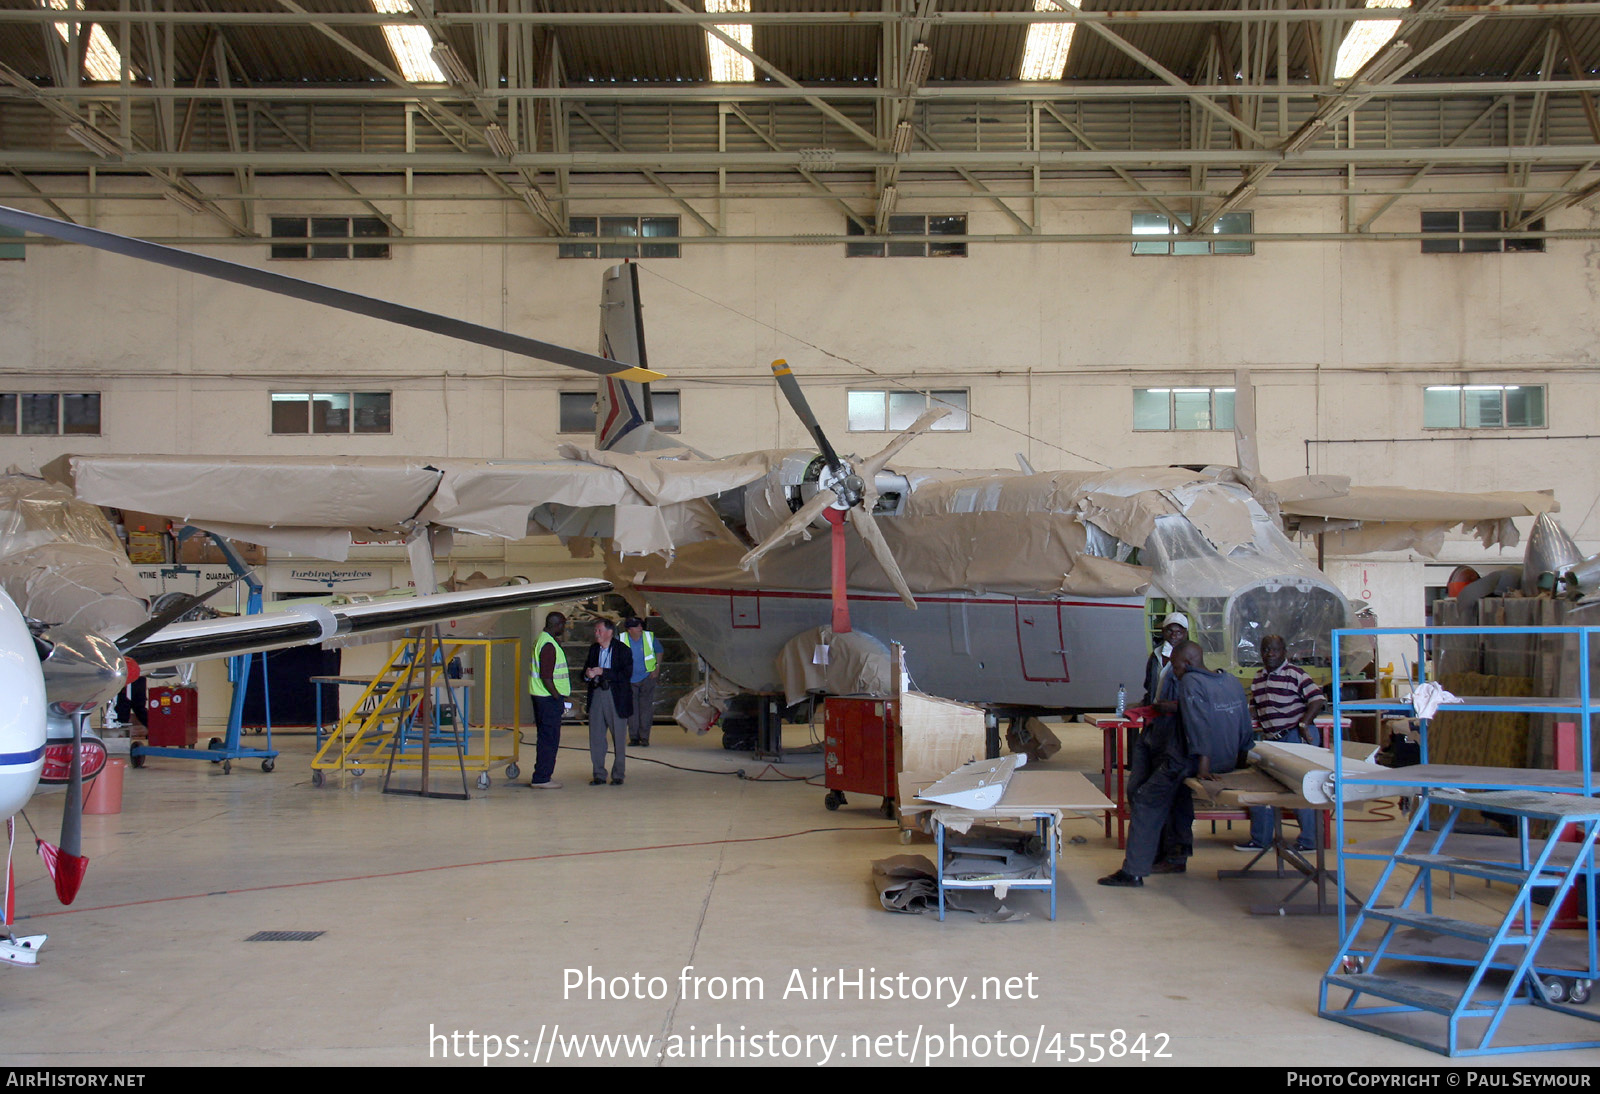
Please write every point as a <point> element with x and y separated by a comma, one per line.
<point>1072,223</point>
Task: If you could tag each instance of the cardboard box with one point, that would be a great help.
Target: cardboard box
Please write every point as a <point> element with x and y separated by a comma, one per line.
<point>199,549</point>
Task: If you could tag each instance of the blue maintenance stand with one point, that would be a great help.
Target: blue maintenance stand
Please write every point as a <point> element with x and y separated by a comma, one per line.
<point>230,747</point>
<point>1363,989</point>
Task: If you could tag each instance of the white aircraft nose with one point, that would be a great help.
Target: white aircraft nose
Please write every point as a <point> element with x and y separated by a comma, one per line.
<point>22,715</point>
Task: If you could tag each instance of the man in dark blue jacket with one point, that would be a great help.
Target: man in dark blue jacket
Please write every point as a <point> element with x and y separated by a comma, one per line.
<point>608,671</point>
<point>1212,737</point>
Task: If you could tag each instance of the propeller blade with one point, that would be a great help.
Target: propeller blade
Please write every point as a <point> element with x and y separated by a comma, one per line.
<point>797,402</point>
<point>872,466</point>
<point>66,864</point>
<point>170,613</point>
<point>861,517</point>
<point>791,527</point>
<point>312,293</point>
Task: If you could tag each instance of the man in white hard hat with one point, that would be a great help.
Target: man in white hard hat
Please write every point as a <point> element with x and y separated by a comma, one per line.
<point>1161,691</point>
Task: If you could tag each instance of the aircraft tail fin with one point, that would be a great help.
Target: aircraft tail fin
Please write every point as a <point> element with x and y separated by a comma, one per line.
<point>624,419</point>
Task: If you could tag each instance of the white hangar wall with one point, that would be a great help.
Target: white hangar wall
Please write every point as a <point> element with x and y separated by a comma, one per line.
<point>1051,339</point>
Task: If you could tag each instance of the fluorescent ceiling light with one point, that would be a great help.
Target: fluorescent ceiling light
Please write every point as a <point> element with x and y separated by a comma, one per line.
<point>902,138</point>
<point>1045,56</point>
<point>728,65</point>
<point>410,44</point>
<point>101,61</point>
<point>917,67</point>
<point>1365,39</point>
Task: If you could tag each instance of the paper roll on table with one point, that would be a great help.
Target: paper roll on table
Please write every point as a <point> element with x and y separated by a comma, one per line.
<point>1308,770</point>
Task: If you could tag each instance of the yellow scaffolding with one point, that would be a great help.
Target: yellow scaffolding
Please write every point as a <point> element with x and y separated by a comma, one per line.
<point>404,700</point>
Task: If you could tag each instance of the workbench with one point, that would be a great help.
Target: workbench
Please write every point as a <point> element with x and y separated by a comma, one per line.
<point>1043,798</point>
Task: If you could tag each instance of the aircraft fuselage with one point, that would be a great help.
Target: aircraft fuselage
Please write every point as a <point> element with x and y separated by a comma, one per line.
<point>1068,652</point>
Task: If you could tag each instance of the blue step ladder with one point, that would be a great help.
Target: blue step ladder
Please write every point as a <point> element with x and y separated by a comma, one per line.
<point>1475,1016</point>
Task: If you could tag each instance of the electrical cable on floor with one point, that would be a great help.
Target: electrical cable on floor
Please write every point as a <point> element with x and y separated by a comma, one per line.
<point>467,865</point>
<point>739,772</point>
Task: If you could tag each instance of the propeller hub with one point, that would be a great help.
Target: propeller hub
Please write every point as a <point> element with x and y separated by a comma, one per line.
<point>847,486</point>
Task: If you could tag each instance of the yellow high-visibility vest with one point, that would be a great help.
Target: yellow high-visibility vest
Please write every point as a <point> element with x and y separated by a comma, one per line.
<point>563,681</point>
<point>650,648</point>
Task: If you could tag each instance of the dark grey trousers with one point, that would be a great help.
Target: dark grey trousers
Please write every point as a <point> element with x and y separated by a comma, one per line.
<point>603,719</point>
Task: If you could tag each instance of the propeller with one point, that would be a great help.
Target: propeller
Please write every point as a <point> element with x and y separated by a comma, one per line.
<point>847,485</point>
<point>179,608</point>
<point>314,293</point>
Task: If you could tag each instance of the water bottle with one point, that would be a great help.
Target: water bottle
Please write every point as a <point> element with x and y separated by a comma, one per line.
<point>1122,699</point>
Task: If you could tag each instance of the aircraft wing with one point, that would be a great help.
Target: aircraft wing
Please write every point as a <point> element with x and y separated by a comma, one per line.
<point>1393,503</point>
<point>1392,518</point>
<point>313,505</point>
<point>212,638</point>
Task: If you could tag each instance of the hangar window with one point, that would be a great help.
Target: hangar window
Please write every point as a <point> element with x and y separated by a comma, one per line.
<point>48,414</point>
<point>1475,220</point>
<point>15,252</point>
<point>911,225</point>
<point>626,227</point>
<point>877,411</point>
<point>1483,406</point>
<point>577,411</point>
<point>330,237</point>
<point>1182,408</point>
<point>1155,224</point>
<point>331,412</point>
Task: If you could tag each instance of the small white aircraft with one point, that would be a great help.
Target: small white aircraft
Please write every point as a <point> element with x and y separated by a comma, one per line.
<point>1010,588</point>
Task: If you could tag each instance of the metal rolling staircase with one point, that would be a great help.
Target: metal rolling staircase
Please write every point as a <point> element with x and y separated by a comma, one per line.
<point>387,705</point>
<point>1392,974</point>
<point>1513,944</point>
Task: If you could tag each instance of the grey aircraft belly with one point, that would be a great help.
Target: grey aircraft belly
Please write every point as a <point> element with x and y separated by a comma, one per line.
<point>1050,653</point>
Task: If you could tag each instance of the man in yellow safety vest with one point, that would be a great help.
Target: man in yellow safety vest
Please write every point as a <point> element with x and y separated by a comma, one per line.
<point>637,639</point>
<point>550,687</point>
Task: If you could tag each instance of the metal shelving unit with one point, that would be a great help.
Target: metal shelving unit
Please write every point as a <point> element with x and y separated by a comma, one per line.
<point>1543,871</point>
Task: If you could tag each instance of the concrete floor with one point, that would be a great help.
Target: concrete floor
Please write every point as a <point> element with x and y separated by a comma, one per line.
<point>447,916</point>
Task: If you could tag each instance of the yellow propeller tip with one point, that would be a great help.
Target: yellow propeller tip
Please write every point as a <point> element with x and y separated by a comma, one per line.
<point>640,375</point>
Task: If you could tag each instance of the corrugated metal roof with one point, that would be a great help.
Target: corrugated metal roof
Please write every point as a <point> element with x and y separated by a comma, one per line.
<point>291,54</point>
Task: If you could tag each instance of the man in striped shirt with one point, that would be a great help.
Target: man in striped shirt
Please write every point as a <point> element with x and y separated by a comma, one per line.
<point>1285,703</point>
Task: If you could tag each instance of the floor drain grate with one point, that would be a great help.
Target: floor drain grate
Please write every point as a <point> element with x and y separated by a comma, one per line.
<point>285,936</point>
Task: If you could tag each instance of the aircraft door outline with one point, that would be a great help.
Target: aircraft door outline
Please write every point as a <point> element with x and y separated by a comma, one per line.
<point>1041,641</point>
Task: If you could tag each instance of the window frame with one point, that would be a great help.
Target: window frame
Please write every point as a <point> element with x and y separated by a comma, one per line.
<point>1475,246</point>
<point>596,226</point>
<point>351,412</point>
<point>924,227</point>
<point>962,416</point>
<point>1173,422</point>
<point>1170,244</point>
<point>1461,405</point>
<point>349,242</point>
<point>12,407</point>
